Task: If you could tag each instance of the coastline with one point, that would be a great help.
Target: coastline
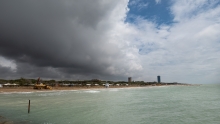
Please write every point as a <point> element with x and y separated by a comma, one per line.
<point>30,89</point>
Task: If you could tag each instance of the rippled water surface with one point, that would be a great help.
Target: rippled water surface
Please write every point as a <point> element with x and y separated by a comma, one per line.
<point>156,105</point>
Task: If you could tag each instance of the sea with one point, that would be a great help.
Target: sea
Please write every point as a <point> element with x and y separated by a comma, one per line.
<point>199,104</point>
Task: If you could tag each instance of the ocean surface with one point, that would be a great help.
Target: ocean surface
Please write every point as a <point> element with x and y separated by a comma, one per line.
<point>148,105</point>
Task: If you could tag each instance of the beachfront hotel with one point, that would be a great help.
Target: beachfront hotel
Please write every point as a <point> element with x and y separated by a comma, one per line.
<point>129,79</point>
<point>158,78</point>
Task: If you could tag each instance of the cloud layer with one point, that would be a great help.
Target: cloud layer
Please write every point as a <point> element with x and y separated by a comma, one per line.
<point>188,49</point>
<point>69,36</point>
<point>81,40</point>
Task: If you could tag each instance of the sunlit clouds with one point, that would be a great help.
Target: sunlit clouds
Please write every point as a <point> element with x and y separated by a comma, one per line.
<point>80,40</point>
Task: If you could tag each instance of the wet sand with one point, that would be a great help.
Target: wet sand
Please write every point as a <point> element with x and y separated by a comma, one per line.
<point>30,89</point>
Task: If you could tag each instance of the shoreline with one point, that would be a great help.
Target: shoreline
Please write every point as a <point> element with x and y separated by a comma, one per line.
<point>30,89</point>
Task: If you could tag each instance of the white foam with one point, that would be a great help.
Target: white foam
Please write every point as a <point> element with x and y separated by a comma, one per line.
<point>6,93</point>
<point>113,90</point>
<point>92,91</point>
<point>17,92</point>
<point>25,92</point>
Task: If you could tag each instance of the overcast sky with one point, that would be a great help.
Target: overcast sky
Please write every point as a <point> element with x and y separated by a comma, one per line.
<point>111,40</point>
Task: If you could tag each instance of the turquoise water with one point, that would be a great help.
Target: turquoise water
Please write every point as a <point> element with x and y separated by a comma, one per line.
<point>149,105</point>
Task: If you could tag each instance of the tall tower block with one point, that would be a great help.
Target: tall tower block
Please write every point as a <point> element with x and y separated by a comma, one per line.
<point>158,78</point>
<point>129,79</point>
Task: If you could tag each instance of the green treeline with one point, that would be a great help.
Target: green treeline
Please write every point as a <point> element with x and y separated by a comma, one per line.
<point>93,82</point>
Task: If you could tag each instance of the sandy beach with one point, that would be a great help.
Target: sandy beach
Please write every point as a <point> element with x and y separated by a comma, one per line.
<point>30,89</point>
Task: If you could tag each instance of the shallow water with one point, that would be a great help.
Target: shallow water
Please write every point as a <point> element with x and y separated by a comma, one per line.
<point>165,105</point>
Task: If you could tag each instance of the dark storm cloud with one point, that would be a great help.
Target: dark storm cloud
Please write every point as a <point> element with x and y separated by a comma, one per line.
<point>5,72</point>
<point>56,38</point>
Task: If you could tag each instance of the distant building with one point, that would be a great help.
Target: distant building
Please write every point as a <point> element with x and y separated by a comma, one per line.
<point>158,78</point>
<point>107,85</point>
<point>10,85</point>
<point>129,79</point>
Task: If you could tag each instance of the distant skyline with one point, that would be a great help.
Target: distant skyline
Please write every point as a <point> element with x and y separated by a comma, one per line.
<point>111,40</point>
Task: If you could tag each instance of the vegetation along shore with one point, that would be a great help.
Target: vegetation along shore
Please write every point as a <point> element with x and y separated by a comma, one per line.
<point>27,85</point>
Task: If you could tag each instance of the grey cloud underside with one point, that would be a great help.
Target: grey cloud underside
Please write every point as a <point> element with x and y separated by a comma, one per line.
<point>68,36</point>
